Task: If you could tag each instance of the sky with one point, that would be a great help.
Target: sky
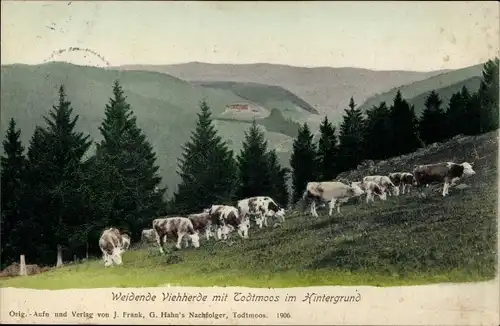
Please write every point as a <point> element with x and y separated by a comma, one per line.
<point>421,36</point>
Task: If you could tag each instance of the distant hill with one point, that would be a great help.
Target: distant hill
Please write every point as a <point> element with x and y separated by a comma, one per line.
<point>165,106</point>
<point>445,84</point>
<point>266,95</point>
<point>325,88</point>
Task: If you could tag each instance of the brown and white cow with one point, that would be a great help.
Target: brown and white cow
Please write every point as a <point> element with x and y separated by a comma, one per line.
<point>371,189</point>
<point>260,207</point>
<point>148,235</point>
<point>202,223</point>
<point>333,192</point>
<point>125,241</point>
<point>225,218</point>
<point>447,172</point>
<point>171,227</point>
<point>385,183</point>
<point>111,246</point>
<point>403,180</point>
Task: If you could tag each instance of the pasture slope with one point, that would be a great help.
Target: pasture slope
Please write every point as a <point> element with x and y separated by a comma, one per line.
<point>403,241</point>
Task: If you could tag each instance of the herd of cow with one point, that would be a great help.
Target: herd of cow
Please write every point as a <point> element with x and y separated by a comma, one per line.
<point>224,219</point>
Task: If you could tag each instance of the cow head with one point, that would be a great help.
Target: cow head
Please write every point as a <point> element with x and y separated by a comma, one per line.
<point>195,239</point>
<point>243,227</point>
<point>357,191</point>
<point>468,171</point>
<point>107,260</point>
<point>116,256</point>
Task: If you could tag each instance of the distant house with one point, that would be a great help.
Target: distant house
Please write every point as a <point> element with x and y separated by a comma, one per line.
<point>237,107</point>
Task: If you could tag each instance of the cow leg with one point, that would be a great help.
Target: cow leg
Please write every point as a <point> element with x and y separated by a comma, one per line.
<point>332,206</point>
<point>265,221</point>
<point>445,188</point>
<point>219,232</point>
<point>207,233</point>
<point>160,240</point>
<point>180,237</point>
<point>403,188</point>
<point>338,207</point>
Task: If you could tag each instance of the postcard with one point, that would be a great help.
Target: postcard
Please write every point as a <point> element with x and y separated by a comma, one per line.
<point>249,163</point>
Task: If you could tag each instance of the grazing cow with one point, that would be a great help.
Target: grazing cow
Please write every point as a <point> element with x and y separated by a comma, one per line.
<point>111,246</point>
<point>370,188</point>
<point>201,222</point>
<point>404,180</point>
<point>125,241</point>
<point>226,217</point>
<point>385,183</point>
<point>179,227</point>
<point>261,207</point>
<point>447,172</point>
<point>148,235</point>
<point>330,191</point>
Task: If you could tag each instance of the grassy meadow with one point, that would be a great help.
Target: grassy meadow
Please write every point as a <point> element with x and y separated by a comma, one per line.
<point>405,240</point>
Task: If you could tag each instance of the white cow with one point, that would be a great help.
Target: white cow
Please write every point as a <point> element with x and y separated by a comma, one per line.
<point>404,180</point>
<point>110,244</point>
<point>385,183</point>
<point>333,192</point>
<point>169,227</point>
<point>260,207</point>
<point>202,223</point>
<point>227,218</point>
<point>371,189</point>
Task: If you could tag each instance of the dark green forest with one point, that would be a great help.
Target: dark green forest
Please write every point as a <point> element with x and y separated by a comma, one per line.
<point>53,193</point>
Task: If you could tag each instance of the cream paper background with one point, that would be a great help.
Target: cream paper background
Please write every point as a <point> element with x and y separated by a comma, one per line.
<point>443,304</point>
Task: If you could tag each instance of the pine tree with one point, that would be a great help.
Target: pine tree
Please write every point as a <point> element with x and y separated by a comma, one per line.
<point>279,178</point>
<point>124,173</point>
<point>377,132</point>
<point>351,138</point>
<point>404,125</point>
<point>303,161</point>
<point>13,166</point>
<point>253,165</point>
<point>488,96</point>
<point>54,178</point>
<point>457,112</point>
<point>473,111</point>
<point>327,151</point>
<point>433,122</point>
<point>207,168</point>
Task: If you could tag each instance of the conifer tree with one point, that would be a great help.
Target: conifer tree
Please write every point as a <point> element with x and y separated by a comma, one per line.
<point>433,122</point>
<point>456,112</point>
<point>352,131</point>
<point>207,168</point>
<point>404,125</point>
<point>327,151</point>
<point>303,161</point>
<point>125,171</point>
<point>54,180</point>
<point>377,132</point>
<point>13,166</point>
<point>488,96</point>
<point>253,165</point>
<point>279,178</point>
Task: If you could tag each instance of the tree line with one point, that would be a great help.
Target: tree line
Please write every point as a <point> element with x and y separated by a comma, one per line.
<point>389,130</point>
<point>57,193</point>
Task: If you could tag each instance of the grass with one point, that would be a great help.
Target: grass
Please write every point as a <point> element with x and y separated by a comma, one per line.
<point>402,241</point>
